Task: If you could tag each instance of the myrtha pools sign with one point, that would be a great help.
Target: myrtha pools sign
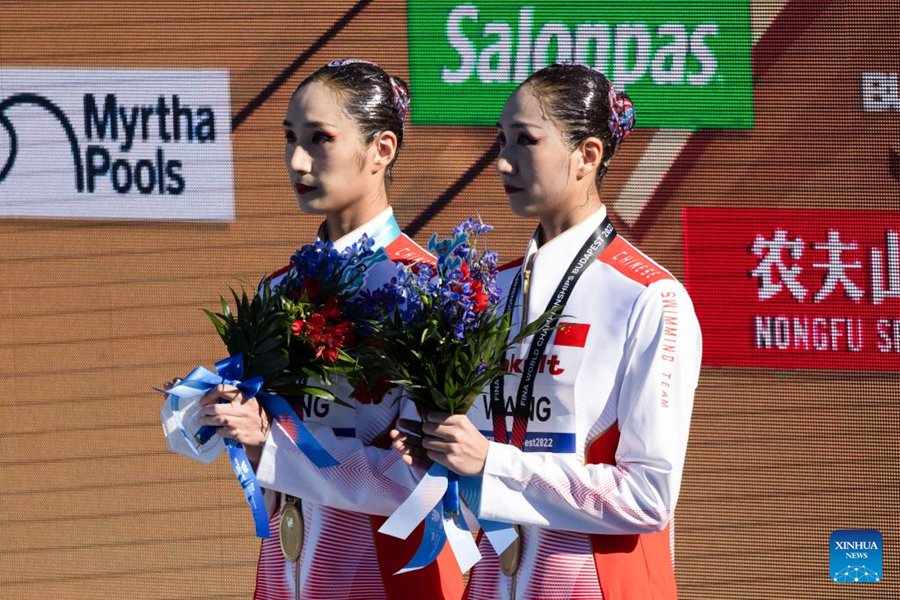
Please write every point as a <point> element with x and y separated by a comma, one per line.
<point>115,143</point>
<point>685,65</point>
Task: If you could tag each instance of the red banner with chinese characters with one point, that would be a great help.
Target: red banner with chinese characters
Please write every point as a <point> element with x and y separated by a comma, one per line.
<point>812,289</point>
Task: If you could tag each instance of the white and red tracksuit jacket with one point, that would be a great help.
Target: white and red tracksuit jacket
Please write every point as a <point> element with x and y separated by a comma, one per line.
<point>343,557</point>
<point>596,485</point>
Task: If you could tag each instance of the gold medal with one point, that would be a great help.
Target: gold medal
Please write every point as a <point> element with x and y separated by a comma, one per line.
<point>290,529</point>
<point>509,558</point>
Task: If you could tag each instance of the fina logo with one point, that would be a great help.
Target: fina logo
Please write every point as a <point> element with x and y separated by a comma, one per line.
<point>131,134</point>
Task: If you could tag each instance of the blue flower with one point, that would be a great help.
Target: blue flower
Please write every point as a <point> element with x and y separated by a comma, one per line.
<point>342,273</point>
<point>456,289</point>
<point>470,227</point>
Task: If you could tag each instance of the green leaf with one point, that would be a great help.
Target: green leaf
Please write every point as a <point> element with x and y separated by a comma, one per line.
<point>267,344</point>
<point>217,322</point>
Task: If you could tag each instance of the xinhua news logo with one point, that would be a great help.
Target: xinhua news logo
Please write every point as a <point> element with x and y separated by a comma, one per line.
<point>856,556</point>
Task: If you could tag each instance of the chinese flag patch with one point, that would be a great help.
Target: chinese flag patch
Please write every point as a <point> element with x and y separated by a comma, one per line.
<point>572,334</point>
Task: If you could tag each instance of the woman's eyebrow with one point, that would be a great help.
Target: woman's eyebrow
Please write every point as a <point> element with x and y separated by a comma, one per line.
<point>310,125</point>
<point>518,125</point>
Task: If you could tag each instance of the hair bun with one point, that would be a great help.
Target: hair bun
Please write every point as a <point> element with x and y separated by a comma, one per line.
<point>398,88</point>
<point>621,115</point>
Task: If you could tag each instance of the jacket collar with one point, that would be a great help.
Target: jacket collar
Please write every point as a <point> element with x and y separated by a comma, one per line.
<point>382,226</point>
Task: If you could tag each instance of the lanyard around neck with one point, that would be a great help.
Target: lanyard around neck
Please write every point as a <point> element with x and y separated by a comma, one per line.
<point>596,243</point>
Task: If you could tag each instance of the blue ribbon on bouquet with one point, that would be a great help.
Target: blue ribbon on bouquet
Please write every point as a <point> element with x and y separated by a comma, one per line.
<point>199,381</point>
<point>450,501</point>
<point>228,372</point>
<point>428,502</point>
<point>281,410</point>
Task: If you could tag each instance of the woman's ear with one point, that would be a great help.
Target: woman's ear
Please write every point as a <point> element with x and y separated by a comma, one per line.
<point>384,149</point>
<point>590,156</point>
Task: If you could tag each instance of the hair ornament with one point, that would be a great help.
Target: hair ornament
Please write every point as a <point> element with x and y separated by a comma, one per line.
<point>621,114</point>
<point>401,99</point>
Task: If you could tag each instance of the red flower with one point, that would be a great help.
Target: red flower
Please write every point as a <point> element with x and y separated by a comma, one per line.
<point>331,310</point>
<point>373,394</point>
<point>481,302</point>
<point>297,327</point>
<point>312,288</point>
<point>329,355</point>
<point>315,324</point>
<point>480,298</point>
<point>342,334</point>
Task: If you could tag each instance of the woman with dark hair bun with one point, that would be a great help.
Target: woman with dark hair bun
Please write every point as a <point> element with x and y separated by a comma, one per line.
<point>343,130</point>
<point>582,443</point>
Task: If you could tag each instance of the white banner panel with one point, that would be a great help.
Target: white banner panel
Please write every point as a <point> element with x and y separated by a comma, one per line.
<point>116,143</point>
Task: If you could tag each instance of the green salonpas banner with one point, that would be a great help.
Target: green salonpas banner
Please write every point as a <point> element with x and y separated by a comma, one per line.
<point>686,65</point>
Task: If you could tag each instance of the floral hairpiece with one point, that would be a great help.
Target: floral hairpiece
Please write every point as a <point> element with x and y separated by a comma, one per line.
<point>401,99</point>
<point>621,114</point>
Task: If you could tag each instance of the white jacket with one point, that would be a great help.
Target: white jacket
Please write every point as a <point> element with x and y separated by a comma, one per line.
<point>629,364</point>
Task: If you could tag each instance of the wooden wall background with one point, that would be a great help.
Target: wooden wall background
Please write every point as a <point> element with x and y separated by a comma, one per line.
<point>92,313</point>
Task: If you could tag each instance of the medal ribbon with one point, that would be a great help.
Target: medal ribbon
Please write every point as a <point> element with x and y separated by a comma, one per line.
<point>593,247</point>
<point>498,406</point>
<point>284,415</point>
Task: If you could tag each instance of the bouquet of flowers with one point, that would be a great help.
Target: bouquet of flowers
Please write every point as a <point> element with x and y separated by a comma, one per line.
<point>442,334</point>
<point>299,328</point>
<point>440,330</point>
<point>295,328</point>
